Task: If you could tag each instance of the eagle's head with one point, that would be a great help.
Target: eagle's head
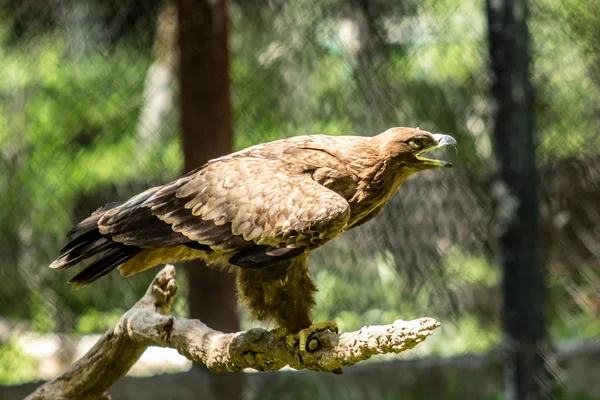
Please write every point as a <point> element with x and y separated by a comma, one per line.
<point>406,148</point>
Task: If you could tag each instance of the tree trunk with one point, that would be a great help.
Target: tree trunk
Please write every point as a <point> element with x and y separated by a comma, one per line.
<point>516,192</point>
<point>207,129</point>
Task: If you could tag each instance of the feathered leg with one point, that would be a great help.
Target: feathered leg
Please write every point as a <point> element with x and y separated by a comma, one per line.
<point>284,293</point>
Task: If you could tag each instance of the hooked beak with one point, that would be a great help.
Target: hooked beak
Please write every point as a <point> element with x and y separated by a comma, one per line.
<point>441,140</point>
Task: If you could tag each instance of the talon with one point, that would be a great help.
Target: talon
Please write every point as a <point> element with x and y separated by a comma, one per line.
<point>291,341</point>
<point>302,337</point>
<point>313,344</point>
<point>304,334</point>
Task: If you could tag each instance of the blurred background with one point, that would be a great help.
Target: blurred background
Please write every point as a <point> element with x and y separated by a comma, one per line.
<point>100,100</point>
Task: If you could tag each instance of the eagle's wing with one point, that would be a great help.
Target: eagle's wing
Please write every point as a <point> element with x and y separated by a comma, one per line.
<point>253,209</point>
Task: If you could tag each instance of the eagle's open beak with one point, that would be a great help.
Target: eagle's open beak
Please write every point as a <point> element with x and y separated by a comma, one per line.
<point>441,140</point>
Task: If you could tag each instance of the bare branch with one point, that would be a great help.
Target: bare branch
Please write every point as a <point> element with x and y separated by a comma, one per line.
<point>115,352</point>
<point>146,324</point>
<point>267,351</point>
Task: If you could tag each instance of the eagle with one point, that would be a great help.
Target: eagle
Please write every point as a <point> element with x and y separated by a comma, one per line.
<point>258,212</point>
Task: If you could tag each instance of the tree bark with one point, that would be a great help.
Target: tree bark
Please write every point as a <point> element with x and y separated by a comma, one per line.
<point>207,132</point>
<point>516,194</point>
<point>147,324</point>
<point>159,87</point>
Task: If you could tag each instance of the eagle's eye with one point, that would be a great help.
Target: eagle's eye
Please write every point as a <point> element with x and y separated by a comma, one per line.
<point>417,142</point>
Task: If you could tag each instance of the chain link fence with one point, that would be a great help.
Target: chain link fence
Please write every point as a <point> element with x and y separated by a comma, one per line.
<point>88,97</point>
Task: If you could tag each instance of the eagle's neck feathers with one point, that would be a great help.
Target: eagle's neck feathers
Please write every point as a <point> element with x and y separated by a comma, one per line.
<point>377,176</point>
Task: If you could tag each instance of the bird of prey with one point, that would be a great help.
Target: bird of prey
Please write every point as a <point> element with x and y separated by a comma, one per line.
<point>260,212</point>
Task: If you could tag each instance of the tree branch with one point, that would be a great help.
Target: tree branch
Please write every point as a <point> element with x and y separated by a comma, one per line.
<point>146,324</point>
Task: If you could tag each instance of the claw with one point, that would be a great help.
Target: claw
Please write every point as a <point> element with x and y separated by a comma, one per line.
<point>303,335</point>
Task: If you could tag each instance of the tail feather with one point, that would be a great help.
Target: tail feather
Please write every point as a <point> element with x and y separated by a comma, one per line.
<point>84,246</point>
<point>109,261</point>
<point>86,241</point>
<point>81,240</point>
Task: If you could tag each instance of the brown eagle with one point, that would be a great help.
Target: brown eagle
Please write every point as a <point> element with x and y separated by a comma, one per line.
<point>260,211</point>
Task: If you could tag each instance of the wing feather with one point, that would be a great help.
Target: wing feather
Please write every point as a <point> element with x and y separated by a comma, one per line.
<point>240,205</point>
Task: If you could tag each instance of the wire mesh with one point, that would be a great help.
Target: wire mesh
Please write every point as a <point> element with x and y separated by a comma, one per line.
<point>88,93</point>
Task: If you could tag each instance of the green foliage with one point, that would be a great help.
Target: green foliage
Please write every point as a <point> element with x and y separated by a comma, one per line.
<point>376,295</point>
<point>16,367</point>
<point>69,121</point>
<point>69,127</point>
<point>42,314</point>
<point>472,270</point>
<point>94,321</point>
<point>566,77</point>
